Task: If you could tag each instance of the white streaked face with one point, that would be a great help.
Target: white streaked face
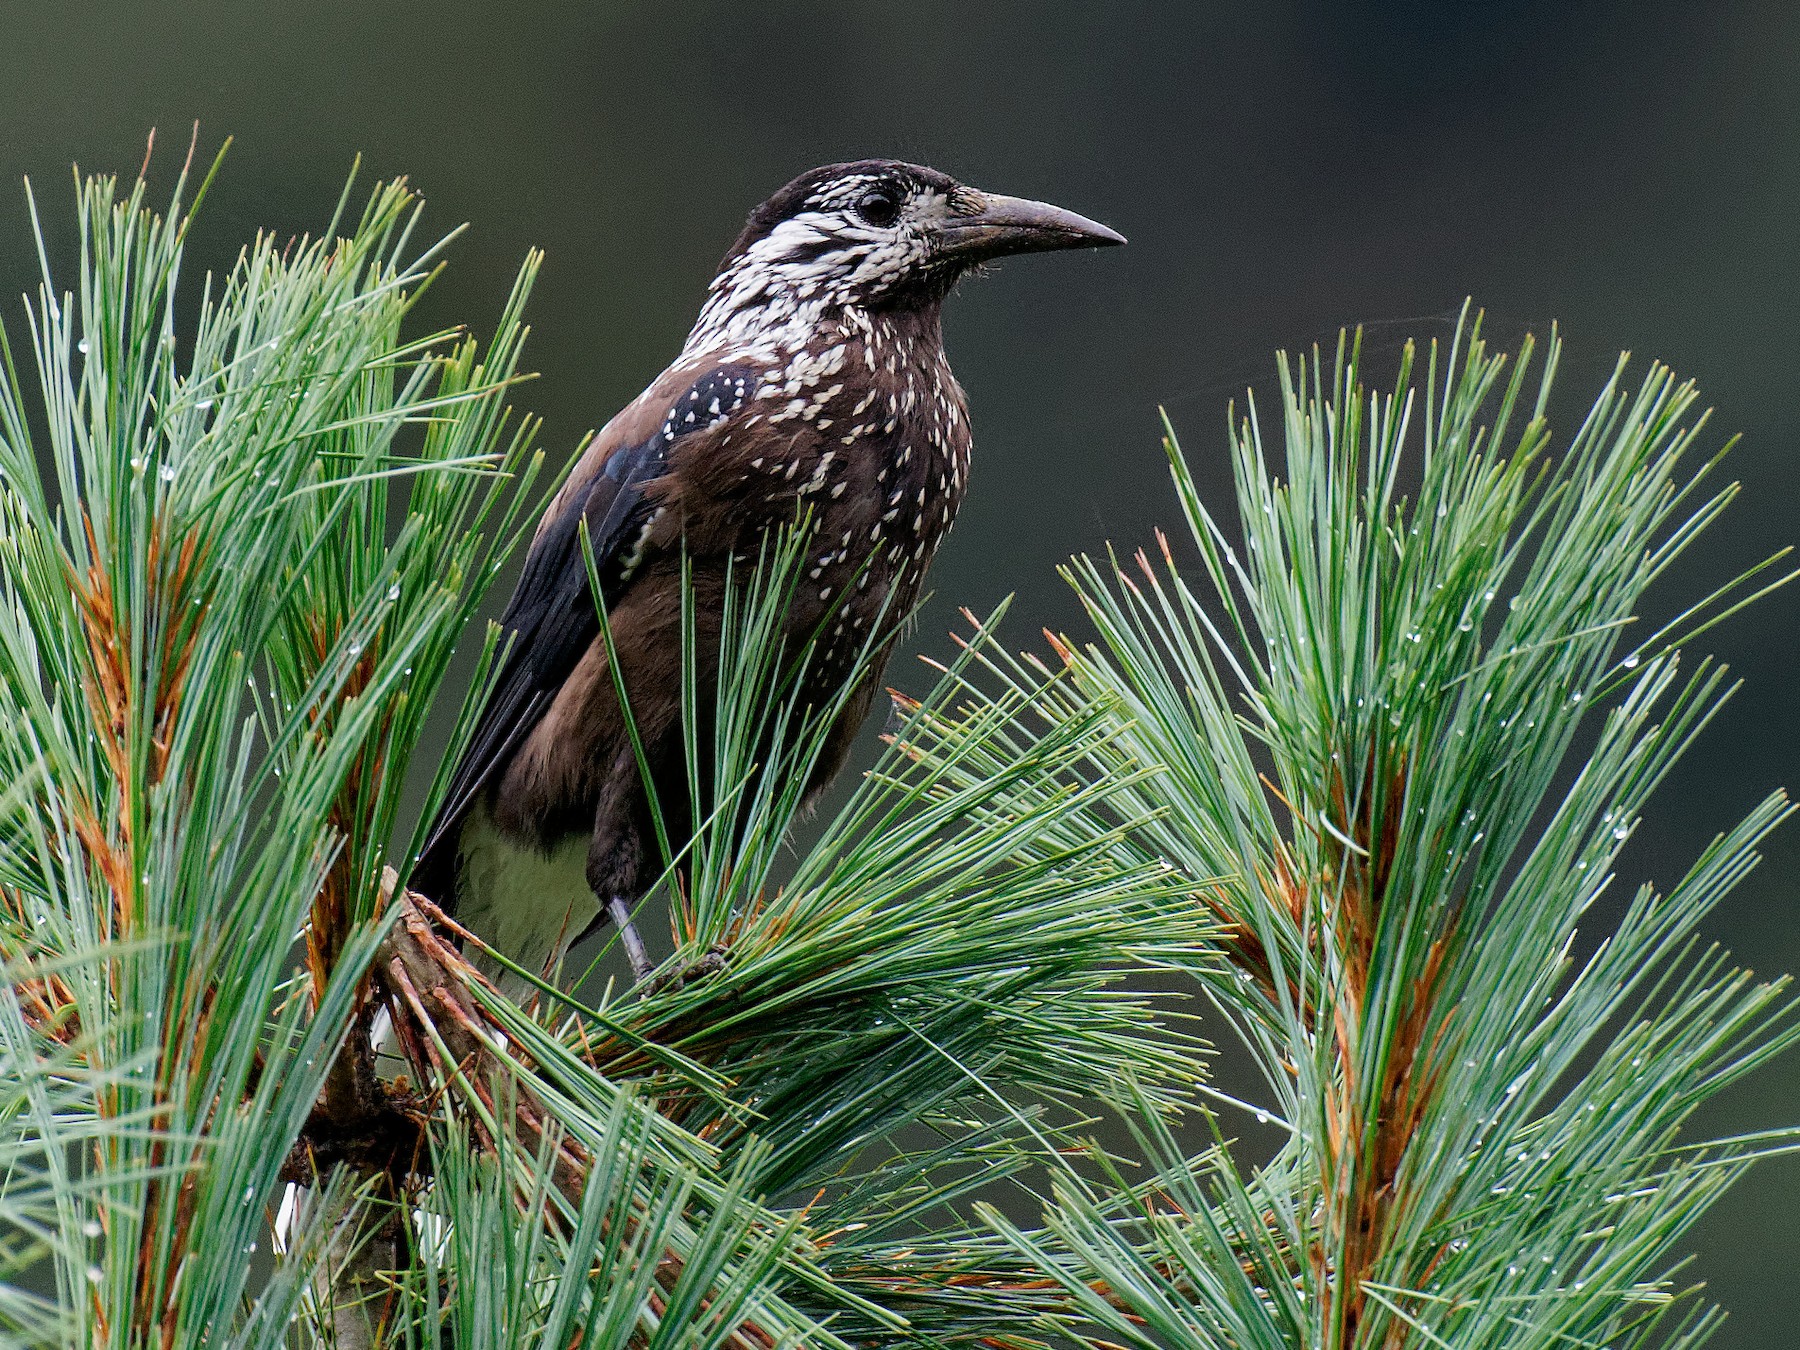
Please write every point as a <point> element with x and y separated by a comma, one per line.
<point>854,237</point>
<point>863,237</point>
<point>867,236</point>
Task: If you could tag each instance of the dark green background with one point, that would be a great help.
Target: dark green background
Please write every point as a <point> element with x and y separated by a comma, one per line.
<point>1632,170</point>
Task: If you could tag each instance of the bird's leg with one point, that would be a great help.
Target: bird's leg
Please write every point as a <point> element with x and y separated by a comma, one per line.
<point>616,852</point>
<point>620,912</point>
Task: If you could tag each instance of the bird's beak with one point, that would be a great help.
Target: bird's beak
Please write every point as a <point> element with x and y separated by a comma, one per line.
<point>1005,225</point>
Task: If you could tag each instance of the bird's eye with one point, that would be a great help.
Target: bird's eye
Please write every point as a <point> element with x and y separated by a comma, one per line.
<point>879,207</point>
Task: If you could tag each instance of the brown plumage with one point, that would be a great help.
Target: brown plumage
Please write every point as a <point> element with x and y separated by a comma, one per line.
<point>814,379</point>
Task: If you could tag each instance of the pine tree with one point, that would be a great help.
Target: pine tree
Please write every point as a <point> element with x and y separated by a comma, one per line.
<point>1354,793</point>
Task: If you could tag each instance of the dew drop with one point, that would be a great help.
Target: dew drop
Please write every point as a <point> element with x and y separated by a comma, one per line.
<point>137,463</point>
<point>94,1275</point>
<point>167,473</point>
<point>91,1228</point>
<point>1262,1117</point>
<point>1630,662</point>
<point>394,591</point>
<point>82,346</point>
<point>204,404</point>
<point>1619,832</point>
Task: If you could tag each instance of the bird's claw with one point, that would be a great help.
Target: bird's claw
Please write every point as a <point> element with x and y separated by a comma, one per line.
<point>709,964</point>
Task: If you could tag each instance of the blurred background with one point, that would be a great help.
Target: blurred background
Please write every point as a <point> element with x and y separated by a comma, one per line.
<point>1629,169</point>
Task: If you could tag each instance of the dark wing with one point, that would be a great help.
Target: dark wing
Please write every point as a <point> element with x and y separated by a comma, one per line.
<point>550,621</point>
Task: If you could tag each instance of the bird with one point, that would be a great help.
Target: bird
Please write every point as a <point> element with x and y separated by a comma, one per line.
<point>812,386</point>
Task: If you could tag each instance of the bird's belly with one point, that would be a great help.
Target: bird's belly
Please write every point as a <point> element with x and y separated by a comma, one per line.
<point>526,903</point>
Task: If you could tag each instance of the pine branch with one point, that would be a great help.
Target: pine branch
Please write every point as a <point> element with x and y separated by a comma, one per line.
<point>1362,732</point>
<point>187,770</point>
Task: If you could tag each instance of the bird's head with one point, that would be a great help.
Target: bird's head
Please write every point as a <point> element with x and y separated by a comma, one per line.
<point>879,233</point>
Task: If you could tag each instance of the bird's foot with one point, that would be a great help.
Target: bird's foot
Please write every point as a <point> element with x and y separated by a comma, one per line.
<point>620,913</point>
<point>709,964</point>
